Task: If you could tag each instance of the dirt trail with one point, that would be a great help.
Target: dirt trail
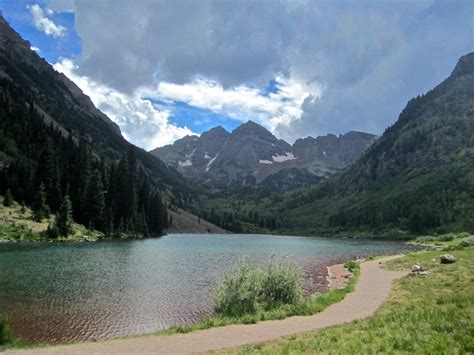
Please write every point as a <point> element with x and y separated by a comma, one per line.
<point>371,291</point>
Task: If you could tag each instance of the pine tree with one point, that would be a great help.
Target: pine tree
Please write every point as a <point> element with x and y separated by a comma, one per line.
<point>93,203</point>
<point>8,200</point>
<point>64,218</point>
<point>40,207</point>
<point>48,173</point>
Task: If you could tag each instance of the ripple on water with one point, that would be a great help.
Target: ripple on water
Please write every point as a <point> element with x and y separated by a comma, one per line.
<point>76,292</point>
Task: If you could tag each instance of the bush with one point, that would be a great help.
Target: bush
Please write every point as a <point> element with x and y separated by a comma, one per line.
<point>238,293</point>
<point>6,336</point>
<point>247,288</point>
<point>467,242</point>
<point>280,284</point>
<point>352,265</point>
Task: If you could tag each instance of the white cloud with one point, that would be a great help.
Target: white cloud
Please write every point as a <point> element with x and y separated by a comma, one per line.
<point>36,49</point>
<point>44,24</point>
<point>140,122</point>
<point>279,108</point>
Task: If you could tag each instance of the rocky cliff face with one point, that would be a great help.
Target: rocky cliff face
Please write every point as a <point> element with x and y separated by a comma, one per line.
<point>250,155</point>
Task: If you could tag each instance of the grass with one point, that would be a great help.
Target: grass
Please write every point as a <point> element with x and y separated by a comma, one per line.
<point>432,314</point>
<point>310,306</point>
<point>445,240</point>
<point>248,288</point>
<point>17,224</point>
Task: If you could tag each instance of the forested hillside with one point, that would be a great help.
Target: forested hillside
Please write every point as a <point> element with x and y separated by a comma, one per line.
<point>43,165</point>
<point>57,149</point>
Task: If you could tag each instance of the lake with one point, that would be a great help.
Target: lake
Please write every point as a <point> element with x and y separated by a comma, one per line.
<point>55,293</point>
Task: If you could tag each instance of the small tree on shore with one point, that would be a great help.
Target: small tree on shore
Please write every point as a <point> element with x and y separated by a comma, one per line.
<point>8,200</point>
<point>64,218</point>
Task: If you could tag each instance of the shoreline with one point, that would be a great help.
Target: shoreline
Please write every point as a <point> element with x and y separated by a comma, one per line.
<point>214,338</point>
<point>338,276</point>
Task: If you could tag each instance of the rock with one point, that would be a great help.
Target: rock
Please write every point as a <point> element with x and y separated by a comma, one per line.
<point>416,268</point>
<point>424,273</point>
<point>447,259</point>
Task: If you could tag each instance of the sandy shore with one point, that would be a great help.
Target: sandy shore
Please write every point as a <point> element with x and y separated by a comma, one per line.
<point>338,276</point>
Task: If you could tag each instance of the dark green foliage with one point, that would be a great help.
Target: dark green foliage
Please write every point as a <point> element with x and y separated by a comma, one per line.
<point>93,204</point>
<point>8,200</point>
<point>40,207</point>
<point>63,222</point>
<point>6,335</point>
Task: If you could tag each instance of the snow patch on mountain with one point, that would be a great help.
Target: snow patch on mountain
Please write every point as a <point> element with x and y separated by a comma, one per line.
<point>208,166</point>
<point>281,158</point>
<point>182,164</point>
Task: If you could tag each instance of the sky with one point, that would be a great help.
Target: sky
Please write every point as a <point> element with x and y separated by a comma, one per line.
<point>166,69</point>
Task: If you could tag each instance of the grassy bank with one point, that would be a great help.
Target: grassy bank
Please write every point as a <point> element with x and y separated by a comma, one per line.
<point>432,314</point>
<point>17,225</point>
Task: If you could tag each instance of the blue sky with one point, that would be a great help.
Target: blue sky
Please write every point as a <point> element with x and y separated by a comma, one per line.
<point>52,49</point>
<point>165,69</point>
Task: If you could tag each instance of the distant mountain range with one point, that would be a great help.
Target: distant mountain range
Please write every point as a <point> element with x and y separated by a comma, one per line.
<point>250,155</point>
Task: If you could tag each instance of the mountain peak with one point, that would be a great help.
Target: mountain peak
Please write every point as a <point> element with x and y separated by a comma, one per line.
<point>464,66</point>
<point>250,126</point>
<point>218,130</point>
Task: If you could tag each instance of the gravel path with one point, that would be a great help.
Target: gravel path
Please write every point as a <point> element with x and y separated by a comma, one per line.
<point>371,291</point>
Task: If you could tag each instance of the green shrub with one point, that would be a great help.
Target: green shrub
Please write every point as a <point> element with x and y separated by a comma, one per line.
<point>239,291</point>
<point>280,284</point>
<point>247,288</point>
<point>352,265</point>
<point>6,336</point>
<point>467,242</point>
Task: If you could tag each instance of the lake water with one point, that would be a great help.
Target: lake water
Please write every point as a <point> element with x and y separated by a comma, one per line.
<point>63,292</point>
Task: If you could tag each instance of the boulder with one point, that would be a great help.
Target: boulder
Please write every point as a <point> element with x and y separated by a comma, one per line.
<point>447,259</point>
<point>416,268</point>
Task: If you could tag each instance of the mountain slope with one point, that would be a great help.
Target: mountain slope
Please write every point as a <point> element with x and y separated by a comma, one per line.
<point>57,149</point>
<point>419,175</point>
<point>252,156</point>
<point>63,105</point>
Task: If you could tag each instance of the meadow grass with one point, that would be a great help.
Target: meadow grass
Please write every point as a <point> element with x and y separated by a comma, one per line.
<point>17,224</point>
<point>431,314</point>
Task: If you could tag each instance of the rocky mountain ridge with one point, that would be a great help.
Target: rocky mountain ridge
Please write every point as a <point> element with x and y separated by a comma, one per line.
<point>251,155</point>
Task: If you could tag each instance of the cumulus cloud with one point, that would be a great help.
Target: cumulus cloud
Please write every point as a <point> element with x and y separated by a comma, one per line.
<point>370,56</point>
<point>280,107</point>
<point>43,23</point>
<point>140,122</point>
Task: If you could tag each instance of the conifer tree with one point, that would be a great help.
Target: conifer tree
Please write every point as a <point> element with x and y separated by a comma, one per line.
<point>8,200</point>
<point>64,218</point>
<point>40,206</point>
<point>93,203</point>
